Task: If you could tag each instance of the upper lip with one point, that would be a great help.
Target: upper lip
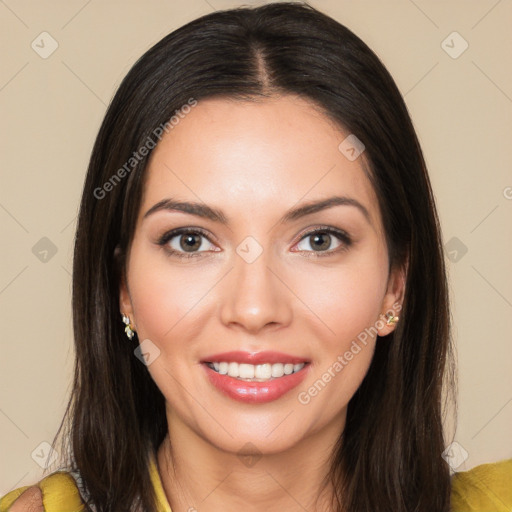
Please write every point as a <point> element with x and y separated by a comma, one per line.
<point>267,356</point>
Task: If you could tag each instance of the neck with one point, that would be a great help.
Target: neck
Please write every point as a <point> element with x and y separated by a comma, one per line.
<point>197,475</point>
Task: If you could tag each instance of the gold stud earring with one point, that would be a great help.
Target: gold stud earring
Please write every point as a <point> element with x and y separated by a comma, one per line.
<point>128,329</point>
<point>391,319</point>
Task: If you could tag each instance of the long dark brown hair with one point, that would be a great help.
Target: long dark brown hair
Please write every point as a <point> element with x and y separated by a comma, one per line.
<point>389,456</point>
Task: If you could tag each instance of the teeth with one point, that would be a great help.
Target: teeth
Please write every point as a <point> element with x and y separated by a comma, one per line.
<point>233,370</point>
<point>277,370</point>
<point>263,371</point>
<point>257,373</point>
<point>246,371</point>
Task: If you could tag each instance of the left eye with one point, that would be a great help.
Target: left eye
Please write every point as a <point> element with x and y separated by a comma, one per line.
<point>323,241</point>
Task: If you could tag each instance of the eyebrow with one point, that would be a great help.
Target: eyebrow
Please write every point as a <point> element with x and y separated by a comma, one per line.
<point>216,215</point>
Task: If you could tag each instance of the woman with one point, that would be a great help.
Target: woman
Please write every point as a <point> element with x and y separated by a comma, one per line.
<point>259,294</point>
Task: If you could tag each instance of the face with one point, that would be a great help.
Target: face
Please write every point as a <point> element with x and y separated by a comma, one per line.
<point>258,262</point>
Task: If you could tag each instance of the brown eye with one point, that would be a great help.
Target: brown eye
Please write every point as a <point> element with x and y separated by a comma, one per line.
<point>320,241</point>
<point>190,242</point>
<point>186,242</point>
<point>328,241</point>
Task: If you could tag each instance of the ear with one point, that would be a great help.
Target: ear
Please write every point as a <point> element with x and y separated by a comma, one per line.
<point>125,302</point>
<point>393,299</point>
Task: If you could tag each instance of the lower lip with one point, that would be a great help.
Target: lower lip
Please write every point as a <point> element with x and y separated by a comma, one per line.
<point>255,392</point>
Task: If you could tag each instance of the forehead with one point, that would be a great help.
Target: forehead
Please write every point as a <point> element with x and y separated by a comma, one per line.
<point>259,156</point>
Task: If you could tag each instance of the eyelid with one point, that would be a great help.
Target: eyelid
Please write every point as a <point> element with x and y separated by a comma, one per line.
<point>185,229</point>
<point>324,229</point>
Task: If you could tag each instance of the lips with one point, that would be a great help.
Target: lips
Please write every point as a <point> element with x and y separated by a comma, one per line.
<point>255,358</point>
<point>250,391</point>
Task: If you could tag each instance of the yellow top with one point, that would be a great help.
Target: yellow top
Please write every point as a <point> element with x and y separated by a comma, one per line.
<point>486,488</point>
<point>60,492</point>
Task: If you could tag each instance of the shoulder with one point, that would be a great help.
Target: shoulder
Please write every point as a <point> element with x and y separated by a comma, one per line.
<point>54,493</point>
<point>485,487</point>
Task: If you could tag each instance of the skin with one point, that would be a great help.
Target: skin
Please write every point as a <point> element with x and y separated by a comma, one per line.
<point>255,161</point>
<point>30,501</point>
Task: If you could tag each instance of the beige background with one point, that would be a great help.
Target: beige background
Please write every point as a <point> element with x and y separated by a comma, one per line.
<point>51,111</point>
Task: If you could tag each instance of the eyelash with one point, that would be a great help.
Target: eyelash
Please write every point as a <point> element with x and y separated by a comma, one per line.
<point>342,236</point>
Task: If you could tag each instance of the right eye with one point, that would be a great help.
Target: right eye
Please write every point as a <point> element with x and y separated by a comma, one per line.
<point>185,242</point>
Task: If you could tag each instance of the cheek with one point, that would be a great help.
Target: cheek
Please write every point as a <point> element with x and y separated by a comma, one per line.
<point>167,301</point>
<point>348,299</point>
<point>163,295</point>
<point>348,302</point>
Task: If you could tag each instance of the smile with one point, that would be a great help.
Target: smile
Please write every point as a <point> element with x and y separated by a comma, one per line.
<point>255,373</point>
<point>255,390</point>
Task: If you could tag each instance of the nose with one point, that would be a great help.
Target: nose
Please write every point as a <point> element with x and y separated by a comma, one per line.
<point>254,296</point>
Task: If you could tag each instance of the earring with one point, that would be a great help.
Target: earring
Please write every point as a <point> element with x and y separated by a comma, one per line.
<point>128,329</point>
<point>391,319</point>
